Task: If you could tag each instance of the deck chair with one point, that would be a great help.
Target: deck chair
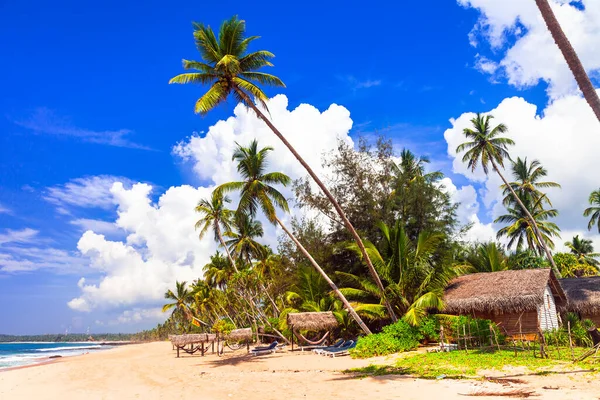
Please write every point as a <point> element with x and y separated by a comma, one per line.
<point>334,346</point>
<point>341,351</point>
<point>272,348</point>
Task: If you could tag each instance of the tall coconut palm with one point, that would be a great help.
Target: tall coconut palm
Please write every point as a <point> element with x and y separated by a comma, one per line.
<point>257,192</point>
<point>231,70</point>
<point>218,272</point>
<point>520,229</point>
<point>527,184</point>
<point>568,52</point>
<point>485,147</point>
<point>215,215</point>
<point>594,210</point>
<point>181,299</point>
<point>584,250</point>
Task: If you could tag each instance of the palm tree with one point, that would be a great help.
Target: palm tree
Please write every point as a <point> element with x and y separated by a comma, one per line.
<point>487,257</point>
<point>486,146</point>
<point>568,52</point>
<point>527,182</point>
<point>182,298</point>
<point>521,231</point>
<point>230,70</point>
<point>256,193</point>
<point>415,273</point>
<point>218,272</point>
<point>584,250</point>
<point>215,215</point>
<point>594,210</point>
<point>241,243</point>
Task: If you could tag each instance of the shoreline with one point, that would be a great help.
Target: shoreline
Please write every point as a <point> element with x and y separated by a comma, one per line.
<point>152,371</point>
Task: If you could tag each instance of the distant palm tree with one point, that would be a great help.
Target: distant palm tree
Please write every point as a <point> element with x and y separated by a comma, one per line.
<point>487,257</point>
<point>242,243</point>
<point>215,215</point>
<point>218,272</point>
<point>527,184</point>
<point>568,52</point>
<point>584,250</point>
<point>486,146</point>
<point>230,70</point>
<point>182,298</point>
<point>520,229</point>
<point>594,210</point>
<point>257,192</point>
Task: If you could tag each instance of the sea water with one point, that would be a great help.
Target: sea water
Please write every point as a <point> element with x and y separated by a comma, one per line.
<point>27,353</point>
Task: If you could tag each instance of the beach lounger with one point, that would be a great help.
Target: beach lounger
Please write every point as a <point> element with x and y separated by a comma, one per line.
<point>272,348</point>
<point>334,346</point>
<point>341,351</point>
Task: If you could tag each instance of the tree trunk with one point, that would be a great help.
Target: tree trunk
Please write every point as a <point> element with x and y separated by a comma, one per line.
<point>332,199</point>
<point>339,294</point>
<point>226,249</point>
<point>531,220</point>
<point>568,52</point>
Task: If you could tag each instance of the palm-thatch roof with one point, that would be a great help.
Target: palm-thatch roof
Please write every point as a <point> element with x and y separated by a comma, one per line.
<point>181,340</point>
<point>312,321</point>
<point>502,292</point>
<point>239,334</point>
<point>583,294</point>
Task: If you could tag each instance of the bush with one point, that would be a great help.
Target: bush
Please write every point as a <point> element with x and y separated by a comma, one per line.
<point>394,338</point>
<point>430,328</point>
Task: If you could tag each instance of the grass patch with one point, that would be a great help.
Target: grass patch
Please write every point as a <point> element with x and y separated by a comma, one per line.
<point>461,365</point>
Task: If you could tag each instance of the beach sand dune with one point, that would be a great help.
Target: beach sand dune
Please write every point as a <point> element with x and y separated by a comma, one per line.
<point>151,371</point>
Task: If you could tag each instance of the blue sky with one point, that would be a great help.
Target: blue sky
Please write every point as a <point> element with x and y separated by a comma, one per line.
<point>85,94</point>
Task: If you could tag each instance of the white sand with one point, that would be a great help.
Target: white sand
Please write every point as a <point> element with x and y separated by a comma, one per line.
<point>151,371</point>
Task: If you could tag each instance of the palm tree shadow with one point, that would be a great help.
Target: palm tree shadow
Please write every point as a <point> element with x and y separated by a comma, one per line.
<point>235,360</point>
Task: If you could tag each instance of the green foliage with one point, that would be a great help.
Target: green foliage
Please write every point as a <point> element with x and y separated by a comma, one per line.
<point>430,328</point>
<point>394,338</point>
<point>526,259</point>
<point>223,326</point>
<point>570,266</point>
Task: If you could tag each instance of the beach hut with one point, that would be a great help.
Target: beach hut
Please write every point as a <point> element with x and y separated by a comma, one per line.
<point>583,295</point>
<point>311,321</point>
<point>518,301</point>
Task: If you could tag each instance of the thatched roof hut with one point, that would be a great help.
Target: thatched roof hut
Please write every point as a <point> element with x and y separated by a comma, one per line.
<point>312,321</point>
<point>583,295</point>
<point>519,301</point>
<point>239,334</point>
<point>511,291</point>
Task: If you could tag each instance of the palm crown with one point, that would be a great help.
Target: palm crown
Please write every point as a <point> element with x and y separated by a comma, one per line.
<point>528,183</point>
<point>594,211</point>
<point>227,66</point>
<point>485,145</point>
<point>214,214</point>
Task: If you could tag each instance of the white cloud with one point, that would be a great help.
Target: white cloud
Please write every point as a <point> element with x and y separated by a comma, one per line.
<point>565,140</point>
<point>87,192</point>
<point>138,315</point>
<point>162,245</point>
<point>4,210</point>
<point>525,49</point>
<point>98,226</point>
<point>26,235</point>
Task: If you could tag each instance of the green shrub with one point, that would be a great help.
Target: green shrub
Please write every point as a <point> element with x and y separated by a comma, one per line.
<point>430,328</point>
<point>394,338</point>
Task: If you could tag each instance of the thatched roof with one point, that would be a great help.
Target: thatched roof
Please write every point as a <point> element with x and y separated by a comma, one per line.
<point>312,321</point>
<point>193,338</point>
<point>501,292</point>
<point>239,334</point>
<point>583,294</point>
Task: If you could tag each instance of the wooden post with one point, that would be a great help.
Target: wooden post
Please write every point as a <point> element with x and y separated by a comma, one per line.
<point>493,332</point>
<point>177,351</point>
<point>570,340</point>
<point>202,348</point>
<point>465,337</point>
<point>292,329</point>
<point>442,342</point>
<point>247,346</point>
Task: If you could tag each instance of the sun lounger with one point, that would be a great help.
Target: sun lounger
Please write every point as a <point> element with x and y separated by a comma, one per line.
<point>341,351</point>
<point>334,346</point>
<point>272,348</point>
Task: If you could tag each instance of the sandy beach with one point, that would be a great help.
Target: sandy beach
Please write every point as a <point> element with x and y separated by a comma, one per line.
<point>151,371</point>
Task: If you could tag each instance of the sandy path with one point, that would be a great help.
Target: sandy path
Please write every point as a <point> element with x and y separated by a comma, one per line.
<point>151,371</point>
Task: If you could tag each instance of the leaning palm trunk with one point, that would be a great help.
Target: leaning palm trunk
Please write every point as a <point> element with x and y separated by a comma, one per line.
<point>226,249</point>
<point>568,52</point>
<point>339,294</point>
<point>332,199</point>
<point>534,226</point>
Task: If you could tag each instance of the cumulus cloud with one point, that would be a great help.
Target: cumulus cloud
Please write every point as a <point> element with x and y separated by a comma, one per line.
<point>523,46</point>
<point>161,244</point>
<point>564,138</point>
<point>86,192</point>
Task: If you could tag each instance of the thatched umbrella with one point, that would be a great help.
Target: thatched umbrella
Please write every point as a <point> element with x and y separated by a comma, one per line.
<point>237,335</point>
<point>311,321</point>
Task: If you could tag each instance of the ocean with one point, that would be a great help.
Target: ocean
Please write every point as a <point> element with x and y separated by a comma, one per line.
<point>27,353</point>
